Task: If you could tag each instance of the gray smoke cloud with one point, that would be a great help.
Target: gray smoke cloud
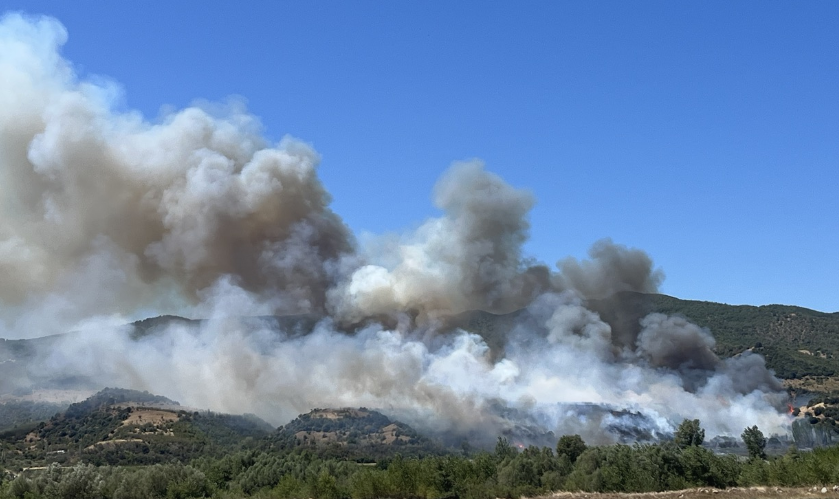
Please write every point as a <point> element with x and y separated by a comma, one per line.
<point>92,197</point>
<point>470,258</point>
<point>105,216</point>
<point>610,269</point>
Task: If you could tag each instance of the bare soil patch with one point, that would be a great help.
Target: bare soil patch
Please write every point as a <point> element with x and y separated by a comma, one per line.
<point>112,443</point>
<point>390,434</point>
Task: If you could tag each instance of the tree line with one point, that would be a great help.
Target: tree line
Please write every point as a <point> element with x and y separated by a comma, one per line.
<point>299,473</point>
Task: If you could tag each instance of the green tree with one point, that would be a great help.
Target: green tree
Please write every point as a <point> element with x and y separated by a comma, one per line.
<point>504,450</point>
<point>325,486</point>
<point>571,446</point>
<point>689,434</point>
<point>755,442</point>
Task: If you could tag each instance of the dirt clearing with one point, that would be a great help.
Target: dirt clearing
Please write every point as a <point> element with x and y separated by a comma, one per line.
<point>140,416</point>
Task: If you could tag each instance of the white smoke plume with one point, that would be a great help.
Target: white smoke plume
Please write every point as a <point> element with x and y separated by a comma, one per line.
<point>468,259</point>
<point>105,216</point>
<point>129,210</point>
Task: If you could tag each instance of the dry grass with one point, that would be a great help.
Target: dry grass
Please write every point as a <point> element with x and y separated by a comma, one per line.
<point>818,384</point>
<point>338,413</point>
<point>707,493</point>
<point>390,431</point>
<point>140,416</point>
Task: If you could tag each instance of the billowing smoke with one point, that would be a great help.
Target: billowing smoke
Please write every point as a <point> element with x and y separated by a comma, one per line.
<point>132,211</point>
<point>468,259</point>
<point>105,216</point>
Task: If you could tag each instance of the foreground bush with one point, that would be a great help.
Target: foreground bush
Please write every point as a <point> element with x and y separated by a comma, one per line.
<point>506,472</point>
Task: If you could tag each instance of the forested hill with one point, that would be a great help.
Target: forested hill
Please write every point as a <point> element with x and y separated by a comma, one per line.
<point>796,341</point>
<point>128,427</point>
<point>357,434</point>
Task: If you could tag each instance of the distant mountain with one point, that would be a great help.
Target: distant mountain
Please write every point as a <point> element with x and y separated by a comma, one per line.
<point>797,342</point>
<point>15,413</point>
<point>800,345</point>
<point>290,325</point>
<point>15,357</point>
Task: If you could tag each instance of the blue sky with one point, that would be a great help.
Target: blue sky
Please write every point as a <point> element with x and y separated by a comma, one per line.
<point>706,133</point>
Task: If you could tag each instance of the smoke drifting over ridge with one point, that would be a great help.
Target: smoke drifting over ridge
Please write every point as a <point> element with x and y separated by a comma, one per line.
<point>103,214</point>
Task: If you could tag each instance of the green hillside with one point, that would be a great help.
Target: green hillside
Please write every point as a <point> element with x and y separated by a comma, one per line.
<point>796,341</point>
<point>16,413</point>
<point>357,434</point>
<point>128,427</point>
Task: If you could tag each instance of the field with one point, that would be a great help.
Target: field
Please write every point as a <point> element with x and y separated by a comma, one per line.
<point>142,415</point>
<point>704,493</point>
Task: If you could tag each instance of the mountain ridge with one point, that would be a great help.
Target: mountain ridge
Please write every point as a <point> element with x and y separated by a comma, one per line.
<point>801,345</point>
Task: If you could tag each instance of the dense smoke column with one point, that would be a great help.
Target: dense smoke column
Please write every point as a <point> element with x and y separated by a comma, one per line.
<point>468,259</point>
<point>103,198</point>
<point>103,213</point>
<point>613,282</point>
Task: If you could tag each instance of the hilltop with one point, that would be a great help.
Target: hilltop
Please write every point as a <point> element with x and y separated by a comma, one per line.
<point>353,433</point>
<point>118,426</point>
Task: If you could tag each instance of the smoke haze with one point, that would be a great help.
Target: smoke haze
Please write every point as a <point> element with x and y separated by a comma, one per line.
<point>105,216</point>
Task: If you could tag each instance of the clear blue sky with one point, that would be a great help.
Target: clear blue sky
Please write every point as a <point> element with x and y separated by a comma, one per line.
<point>706,133</point>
